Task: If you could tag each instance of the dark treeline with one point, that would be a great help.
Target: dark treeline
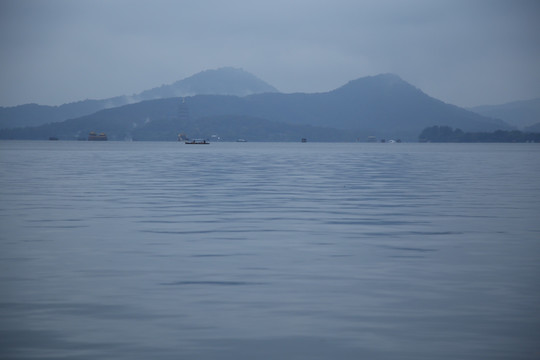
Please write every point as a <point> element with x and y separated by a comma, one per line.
<point>448,134</point>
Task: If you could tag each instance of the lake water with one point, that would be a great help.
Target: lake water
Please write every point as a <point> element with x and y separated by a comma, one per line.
<point>141,250</point>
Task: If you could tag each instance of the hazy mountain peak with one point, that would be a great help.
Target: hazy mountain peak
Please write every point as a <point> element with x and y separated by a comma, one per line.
<point>389,77</point>
<point>221,81</point>
<point>383,82</point>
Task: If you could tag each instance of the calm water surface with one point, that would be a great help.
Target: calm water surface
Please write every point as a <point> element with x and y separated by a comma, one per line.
<point>269,250</point>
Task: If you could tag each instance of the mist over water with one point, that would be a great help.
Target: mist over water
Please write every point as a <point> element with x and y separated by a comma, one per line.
<point>142,250</point>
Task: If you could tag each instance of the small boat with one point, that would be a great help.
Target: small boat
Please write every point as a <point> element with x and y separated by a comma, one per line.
<point>197,142</point>
<point>97,137</point>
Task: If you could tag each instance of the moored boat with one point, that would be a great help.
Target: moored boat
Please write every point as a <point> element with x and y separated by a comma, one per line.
<point>93,136</point>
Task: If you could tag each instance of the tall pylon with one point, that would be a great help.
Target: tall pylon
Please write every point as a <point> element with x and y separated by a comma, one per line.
<point>183,111</point>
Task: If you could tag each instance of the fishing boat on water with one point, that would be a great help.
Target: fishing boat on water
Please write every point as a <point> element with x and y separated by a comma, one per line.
<point>197,142</point>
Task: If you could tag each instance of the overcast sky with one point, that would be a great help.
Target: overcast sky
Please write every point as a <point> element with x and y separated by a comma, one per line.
<point>469,52</point>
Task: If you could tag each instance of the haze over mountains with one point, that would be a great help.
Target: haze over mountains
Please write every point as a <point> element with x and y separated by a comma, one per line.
<point>232,103</point>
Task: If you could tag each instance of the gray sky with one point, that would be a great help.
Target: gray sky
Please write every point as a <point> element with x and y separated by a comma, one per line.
<point>464,52</point>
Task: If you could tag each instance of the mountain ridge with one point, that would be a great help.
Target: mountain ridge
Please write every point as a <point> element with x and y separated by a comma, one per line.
<point>522,114</point>
<point>225,80</point>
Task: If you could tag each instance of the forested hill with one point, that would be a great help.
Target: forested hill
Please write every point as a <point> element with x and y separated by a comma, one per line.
<point>384,105</point>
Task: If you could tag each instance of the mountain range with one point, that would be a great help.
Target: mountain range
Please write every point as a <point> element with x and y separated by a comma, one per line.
<point>523,114</point>
<point>231,103</point>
